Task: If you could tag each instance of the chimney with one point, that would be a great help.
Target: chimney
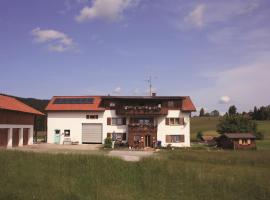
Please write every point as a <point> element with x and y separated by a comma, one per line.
<point>154,94</point>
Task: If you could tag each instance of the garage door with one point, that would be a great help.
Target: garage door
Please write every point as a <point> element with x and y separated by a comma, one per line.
<point>91,133</point>
<point>3,137</point>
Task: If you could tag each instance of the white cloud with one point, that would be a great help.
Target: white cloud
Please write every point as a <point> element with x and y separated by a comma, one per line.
<point>56,40</point>
<point>105,9</point>
<point>247,85</point>
<point>224,99</point>
<point>218,11</point>
<point>196,16</point>
<point>117,90</point>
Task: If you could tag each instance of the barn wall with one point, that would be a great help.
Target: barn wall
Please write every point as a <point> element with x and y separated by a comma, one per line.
<point>12,117</point>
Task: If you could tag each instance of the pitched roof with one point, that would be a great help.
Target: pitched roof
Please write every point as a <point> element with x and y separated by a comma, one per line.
<point>10,103</point>
<point>73,106</point>
<point>187,104</point>
<point>239,135</point>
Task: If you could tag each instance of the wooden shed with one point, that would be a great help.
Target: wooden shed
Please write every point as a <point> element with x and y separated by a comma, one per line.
<point>16,122</point>
<point>236,141</point>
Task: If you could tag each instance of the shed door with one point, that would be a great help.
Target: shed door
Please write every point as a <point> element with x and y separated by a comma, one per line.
<point>15,137</point>
<point>3,137</point>
<point>91,133</point>
<point>25,136</point>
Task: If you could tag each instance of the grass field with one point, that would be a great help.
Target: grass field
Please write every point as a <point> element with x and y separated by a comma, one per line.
<point>208,126</point>
<point>192,174</point>
<point>179,174</point>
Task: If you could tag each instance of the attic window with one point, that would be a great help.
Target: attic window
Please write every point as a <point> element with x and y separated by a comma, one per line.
<point>73,101</point>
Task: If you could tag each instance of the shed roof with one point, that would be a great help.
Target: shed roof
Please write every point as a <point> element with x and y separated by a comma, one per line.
<point>239,135</point>
<point>10,103</point>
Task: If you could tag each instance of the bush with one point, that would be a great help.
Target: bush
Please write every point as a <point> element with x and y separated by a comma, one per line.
<point>259,136</point>
<point>169,146</point>
<point>236,124</point>
<point>199,135</point>
<point>108,142</point>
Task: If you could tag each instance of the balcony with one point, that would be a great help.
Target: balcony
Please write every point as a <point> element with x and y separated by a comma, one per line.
<point>142,129</point>
<point>141,110</point>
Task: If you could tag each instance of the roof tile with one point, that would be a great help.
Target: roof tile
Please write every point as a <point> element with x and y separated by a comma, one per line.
<point>10,103</point>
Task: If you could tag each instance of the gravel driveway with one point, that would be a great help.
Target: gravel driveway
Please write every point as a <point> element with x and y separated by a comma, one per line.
<point>130,155</point>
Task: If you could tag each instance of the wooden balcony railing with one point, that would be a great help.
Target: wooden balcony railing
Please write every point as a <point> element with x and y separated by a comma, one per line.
<point>142,128</point>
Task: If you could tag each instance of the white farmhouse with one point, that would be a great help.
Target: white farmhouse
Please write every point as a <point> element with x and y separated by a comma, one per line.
<point>139,121</point>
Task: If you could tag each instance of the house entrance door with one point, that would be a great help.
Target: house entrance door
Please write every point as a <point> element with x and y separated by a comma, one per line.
<point>147,141</point>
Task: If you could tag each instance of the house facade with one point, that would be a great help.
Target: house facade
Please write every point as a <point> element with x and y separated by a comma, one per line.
<point>16,122</point>
<point>139,121</point>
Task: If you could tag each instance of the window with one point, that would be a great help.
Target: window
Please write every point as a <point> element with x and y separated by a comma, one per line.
<point>118,121</point>
<point>67,133</point>
<point>244,141</point>
<point>175,138</point>
<point>174,121</point>
<point>57,131</point>
<point>117,136</point>
<point>91,116</point>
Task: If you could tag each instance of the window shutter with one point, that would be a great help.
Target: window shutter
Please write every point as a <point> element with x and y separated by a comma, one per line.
<point>182,138</point>
<point>181,121</point>
<point>109,121</point>
<point>124,121</point>
<point>167,121</point>
<point>168,139</point>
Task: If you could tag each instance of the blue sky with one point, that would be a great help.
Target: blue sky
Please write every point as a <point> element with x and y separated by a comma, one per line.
<point>218,52</point>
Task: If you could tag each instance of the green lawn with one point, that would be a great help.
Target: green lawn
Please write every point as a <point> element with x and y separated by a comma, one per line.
<point>208,126</point>
<point>180,174</point>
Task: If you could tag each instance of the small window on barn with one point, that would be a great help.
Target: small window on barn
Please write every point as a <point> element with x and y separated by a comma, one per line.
<point>67,133</point>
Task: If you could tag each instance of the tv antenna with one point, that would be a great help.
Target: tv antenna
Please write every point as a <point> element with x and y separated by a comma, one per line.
<point>150,84</point>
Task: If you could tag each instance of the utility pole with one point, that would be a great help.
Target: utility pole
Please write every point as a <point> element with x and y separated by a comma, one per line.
<point>150,85</point>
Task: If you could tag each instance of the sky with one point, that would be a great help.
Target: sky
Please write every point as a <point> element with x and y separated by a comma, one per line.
<point>217,52</point>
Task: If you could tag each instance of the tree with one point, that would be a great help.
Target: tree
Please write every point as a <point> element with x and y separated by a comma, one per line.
<point>214,113</point>
<point>232,110</point>
<point>236,124</point>
<point>201,112</point>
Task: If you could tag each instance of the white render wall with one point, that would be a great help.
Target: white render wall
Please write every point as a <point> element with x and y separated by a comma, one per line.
<point>73,121</point>
<point>164,129</point>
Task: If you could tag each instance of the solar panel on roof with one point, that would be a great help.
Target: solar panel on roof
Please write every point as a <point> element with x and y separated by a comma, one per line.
<point>73,101</point>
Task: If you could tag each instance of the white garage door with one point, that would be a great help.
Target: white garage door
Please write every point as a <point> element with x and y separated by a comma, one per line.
<point>91,133</point>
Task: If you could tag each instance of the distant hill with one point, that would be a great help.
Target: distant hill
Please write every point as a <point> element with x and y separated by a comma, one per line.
<point>39,104</point>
